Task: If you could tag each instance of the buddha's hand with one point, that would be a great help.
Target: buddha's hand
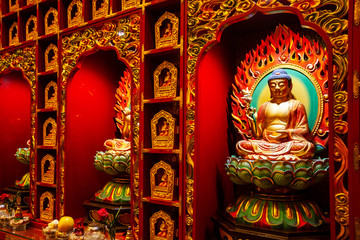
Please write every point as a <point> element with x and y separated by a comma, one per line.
<point>280,135</point>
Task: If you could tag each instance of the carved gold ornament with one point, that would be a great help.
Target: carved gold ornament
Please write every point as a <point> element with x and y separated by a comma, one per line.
<point>162,181</point>
<point>28,2</point>
<point>166,30</point>
<point>75,13</point>
<point>51,95</point>
<point>126,4</point>
<point>51,58</point>
<point>31,28</point>
<point>49,132</point>
<point>48,169</point>
<point>100,8</point>
<point>51,21</point>
<point>13,5</point>
<point>161,226</point>
<point>14,34</point>
<point>47,202</point>
<point>165,80</point>
<point>162,130</point>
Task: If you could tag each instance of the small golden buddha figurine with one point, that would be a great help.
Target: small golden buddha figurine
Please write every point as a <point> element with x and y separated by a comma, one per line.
<point>163,230</point>
<point>280,127</point>
<point>164,129</point>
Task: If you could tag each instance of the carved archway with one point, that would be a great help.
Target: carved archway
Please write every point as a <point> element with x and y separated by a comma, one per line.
<point>122,35</point>
<point>24,59</point>
<point>206,19</point>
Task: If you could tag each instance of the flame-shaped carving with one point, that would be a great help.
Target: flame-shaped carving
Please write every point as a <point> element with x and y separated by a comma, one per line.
<point>281,47</point>
<point>122,106</point>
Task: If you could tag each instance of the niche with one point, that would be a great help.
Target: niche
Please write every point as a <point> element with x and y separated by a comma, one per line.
<point>100,8</point>
<point>162,130</point>
<point>51,21</point>
<point>162,181</point>
<point>47,202</point>
<point>166,30</point>
<point>49,132</point>
<point>13,5</point>
<point>31,28</point>
<point>165,80</point>
<point>14,34</point>
<point>75,14</point>
<point>161,226</point>
<point>48,169</point>
<point>51,58</point>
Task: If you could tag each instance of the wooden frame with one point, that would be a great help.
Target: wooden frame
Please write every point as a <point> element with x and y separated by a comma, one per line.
<point>162,187</point>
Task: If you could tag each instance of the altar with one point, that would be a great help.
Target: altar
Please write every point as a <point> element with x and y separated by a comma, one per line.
<point>171,119</point>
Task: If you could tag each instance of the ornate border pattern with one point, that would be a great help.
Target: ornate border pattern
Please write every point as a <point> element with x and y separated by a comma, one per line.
<point>124,36</point>
<point>204,19</point>
<point>24,59</point>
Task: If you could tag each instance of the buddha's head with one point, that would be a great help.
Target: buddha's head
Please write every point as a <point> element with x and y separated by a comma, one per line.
<point>280,84</point>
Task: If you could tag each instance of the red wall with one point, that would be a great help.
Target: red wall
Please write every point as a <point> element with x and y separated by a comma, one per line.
<point>90,111</point>
<point>213,189</point>
<point>15,98</point>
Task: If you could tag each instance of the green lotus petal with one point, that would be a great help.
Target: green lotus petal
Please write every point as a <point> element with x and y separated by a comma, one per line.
<point>262,164</point>
<point>282,166</point>
<point>120,166</point>
<point>110,170</point>
<point>303,164</point>
<point>108,160</point>
<point>300,184</point>
<point>235,179</point>
<point>244,174</point>
<point>262,172</point>
<point>283,178</point>
<point>245,164</point>
<point>319,175</point>
<point>303,173</point>
<point>264,182</point>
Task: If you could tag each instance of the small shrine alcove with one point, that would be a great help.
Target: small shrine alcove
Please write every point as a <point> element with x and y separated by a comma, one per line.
<point>90,121</point>
<point>216,70</point>
<point>15,127</point>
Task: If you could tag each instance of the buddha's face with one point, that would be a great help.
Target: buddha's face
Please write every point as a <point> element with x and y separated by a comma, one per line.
<point>279,88</point>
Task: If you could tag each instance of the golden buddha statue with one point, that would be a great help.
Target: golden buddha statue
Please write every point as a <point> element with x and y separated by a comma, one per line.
<point>280,127</point>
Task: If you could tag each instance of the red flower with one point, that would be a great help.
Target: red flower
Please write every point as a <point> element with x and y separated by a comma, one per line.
<point>103,214</point>
<point>4,196</point>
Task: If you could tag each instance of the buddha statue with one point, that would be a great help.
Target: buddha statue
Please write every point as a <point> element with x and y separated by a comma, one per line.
<point>280,126</point>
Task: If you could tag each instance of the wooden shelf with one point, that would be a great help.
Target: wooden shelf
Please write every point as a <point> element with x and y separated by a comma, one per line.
<point>162,51</point>
<point>47,73</point>
<point>47,147</point>
<point>162,100</point>
<point>165,151</point>
<point>46,184</point>
<point>161,202</point>
<point>46,110</point>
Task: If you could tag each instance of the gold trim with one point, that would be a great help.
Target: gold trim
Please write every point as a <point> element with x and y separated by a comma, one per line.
<point>356,83</point>
<point>356,157</point>
<point>357,12</point>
